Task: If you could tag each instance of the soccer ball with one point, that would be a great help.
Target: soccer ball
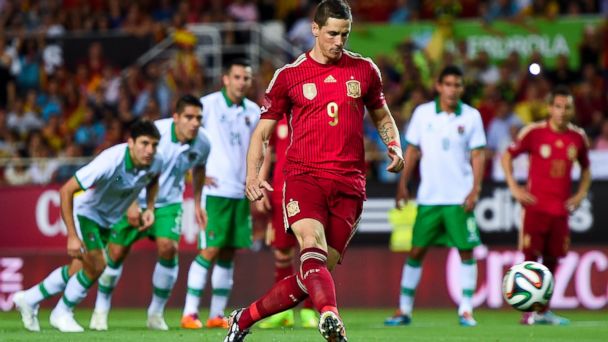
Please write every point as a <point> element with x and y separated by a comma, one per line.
<point>528,286</point>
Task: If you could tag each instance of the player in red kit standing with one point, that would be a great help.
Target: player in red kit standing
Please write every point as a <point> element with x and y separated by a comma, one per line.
<point>553,146</point>
<point>324,94</point>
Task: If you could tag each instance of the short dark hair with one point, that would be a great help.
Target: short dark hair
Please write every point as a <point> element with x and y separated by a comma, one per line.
<point>236,61</point>
<point>144,127</point>
<point>337,9</point>
<point>560,90</point>
<point>187,100</point>
<point>449,70</point>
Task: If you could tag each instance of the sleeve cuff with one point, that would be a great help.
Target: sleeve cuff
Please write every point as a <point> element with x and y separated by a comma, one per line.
<point>79,184</point>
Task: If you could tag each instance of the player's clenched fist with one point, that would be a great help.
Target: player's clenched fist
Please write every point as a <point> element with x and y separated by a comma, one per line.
<point>254,188</point>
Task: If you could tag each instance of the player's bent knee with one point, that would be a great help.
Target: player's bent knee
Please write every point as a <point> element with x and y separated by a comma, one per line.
<point>167,249</point>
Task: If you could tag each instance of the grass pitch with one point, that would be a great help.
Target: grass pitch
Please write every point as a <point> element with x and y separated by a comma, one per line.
<point>361,324</point>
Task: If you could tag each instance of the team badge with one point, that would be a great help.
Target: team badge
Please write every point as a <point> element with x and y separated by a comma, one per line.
<point>461,129</point>
<point>309,90</point>
<point>353,88</point>
<point>282,131</point>
<point>571,152</point>
<point>545,151</point>
<point>247,121</point>
<point>293,208</point>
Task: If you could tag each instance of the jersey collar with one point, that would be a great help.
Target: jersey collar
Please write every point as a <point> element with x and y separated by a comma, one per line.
<point>438,110</point>
<point>229,102</point>
<point>174,135</point>
<point>128,161</point>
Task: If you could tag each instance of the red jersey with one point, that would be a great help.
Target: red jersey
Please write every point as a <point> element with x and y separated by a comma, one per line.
<point>324,104</point>
<point>551,157</point>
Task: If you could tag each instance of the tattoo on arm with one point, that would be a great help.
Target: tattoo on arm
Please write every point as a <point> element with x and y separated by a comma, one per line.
<point>386,132</point>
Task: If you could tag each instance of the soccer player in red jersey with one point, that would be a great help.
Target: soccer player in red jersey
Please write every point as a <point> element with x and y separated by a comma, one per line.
<point>324,93</point>
<point>553,146</point>
<point>283,244</point>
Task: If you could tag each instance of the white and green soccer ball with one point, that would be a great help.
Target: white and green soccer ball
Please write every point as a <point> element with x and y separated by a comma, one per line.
<point>528,286</point>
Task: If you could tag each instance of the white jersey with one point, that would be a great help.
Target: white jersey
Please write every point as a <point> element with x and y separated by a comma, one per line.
<point>445,141</point>
<point>112,183</point>
<point>177,158</point>
<point>229,127</point>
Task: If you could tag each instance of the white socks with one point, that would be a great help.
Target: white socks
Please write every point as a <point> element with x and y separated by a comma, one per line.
<point>197,278</point>
<point>53,284</point>
<point>75,292</point>
<point>468,282</point>
<point>221,280</point>
<point>163,279</point>
<point>410,277</point>
<point>106,284</point>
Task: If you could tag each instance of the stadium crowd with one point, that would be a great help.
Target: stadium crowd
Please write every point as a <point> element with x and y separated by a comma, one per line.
<point>49,109</point>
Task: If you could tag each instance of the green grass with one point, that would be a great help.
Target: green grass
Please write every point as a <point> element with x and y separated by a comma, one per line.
<point>362,325</point>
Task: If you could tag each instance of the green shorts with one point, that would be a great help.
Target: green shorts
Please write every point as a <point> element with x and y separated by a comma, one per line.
<point>93,235</point>
<point>229,223</point>
<point>445,225</point>
<point>167,224</point>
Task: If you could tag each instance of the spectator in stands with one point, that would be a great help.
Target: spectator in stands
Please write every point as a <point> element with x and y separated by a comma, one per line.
<point>532,108</point>
<point>244,11</point>
<point>503,127</point>
<point>589,50</point>
<point>21,121</point>
<point>68,166</point>
<point>43,167</point>
<point>90,133</point>
<point>405,11</point>
<point>29,58</point>
<point>50,102</point>
<point>17,173</point>
<point>53,134</point>
<point>562,73</point>
<point>601,142</point>
<point>501,9</point>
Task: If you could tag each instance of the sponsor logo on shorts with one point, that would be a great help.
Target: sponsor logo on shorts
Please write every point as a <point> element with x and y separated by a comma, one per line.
<point>293,208</point>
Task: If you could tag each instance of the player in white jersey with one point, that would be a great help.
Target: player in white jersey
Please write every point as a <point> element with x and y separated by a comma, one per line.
<point>229,119</point>
<point>448,138</point>
<point>184,146</point>
<point>110,183</point>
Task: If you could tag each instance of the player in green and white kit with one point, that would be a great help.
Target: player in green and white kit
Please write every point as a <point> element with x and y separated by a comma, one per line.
<point>448,138</point>
<point>229,119</point>
<point>110,183</point>
<point>184,146</point>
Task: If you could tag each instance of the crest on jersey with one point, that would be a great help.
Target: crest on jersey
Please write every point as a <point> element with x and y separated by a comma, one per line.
<point>461,129</point>
<point>309,90</point>
<point>545,151</point>
<point>293,208</point>
<point>353,88</point>
<point>571,152</point>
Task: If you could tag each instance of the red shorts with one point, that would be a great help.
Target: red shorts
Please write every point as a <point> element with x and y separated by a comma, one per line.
<point>545,234</point>
<point>336,205</point>
<point>280,238</point>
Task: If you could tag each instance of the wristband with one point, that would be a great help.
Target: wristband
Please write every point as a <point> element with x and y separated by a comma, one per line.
<point>392,143</point>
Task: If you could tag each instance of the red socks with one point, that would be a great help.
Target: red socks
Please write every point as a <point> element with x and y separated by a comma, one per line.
<point>318,281</point>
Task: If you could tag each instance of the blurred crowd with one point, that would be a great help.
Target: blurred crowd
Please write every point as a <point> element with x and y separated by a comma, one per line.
<point>50,110</point>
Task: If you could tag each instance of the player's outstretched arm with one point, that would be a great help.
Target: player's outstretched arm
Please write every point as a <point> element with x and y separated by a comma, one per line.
<point>198,182</point>
<point>255,159</point>
<point>66,195</point>
<point>389,134</point>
